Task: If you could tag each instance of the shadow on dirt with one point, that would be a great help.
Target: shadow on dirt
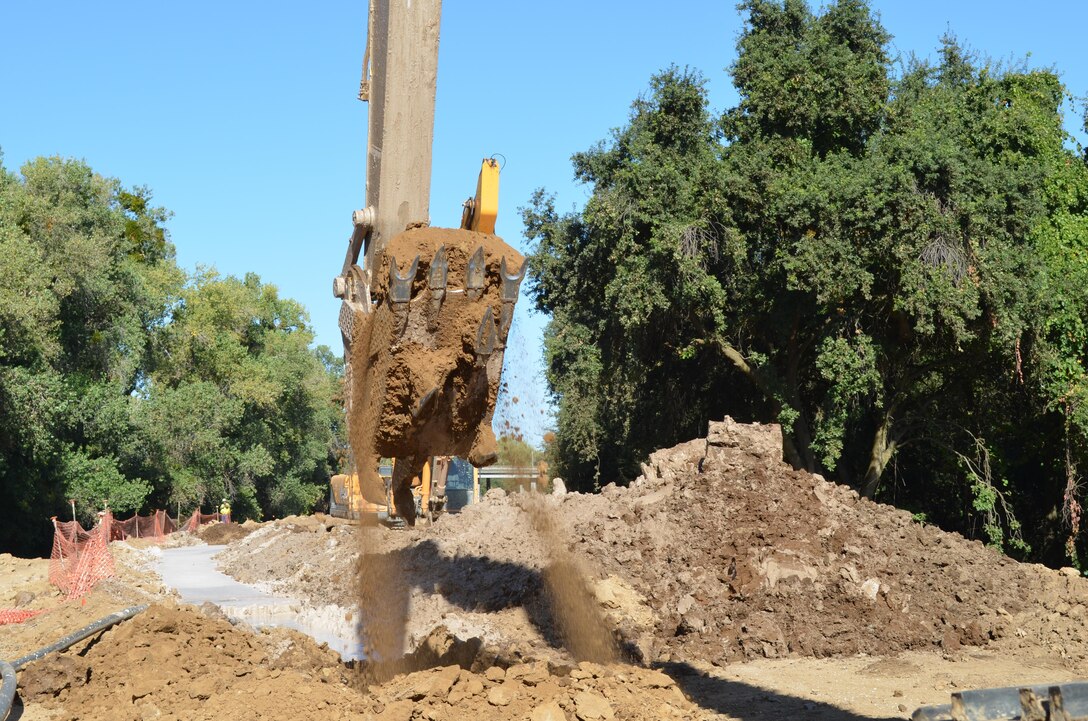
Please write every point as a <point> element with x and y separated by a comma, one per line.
<point>476,583</point>
<point>751,703</point>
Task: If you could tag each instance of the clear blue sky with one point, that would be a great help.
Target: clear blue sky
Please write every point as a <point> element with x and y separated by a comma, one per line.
<point>242,117</point>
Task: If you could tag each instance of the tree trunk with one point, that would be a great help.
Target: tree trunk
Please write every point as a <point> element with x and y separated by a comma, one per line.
<point>884,446</point>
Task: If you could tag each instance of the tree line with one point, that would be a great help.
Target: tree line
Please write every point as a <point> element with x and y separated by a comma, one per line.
<point>126,381</point>
<point>887,256</point>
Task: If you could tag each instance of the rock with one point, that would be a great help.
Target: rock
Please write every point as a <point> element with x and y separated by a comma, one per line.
<point>763,441</point>
<point>495,674</point>
<point>653,678</point>
<point>529,674</point>
<point>559,488</point>
<point>501,695</point>
<point>589,706</point>
<point>397,711</point>
<point>22,598</point>
<point>1069,571</point>
<point>549,711</point>
<point>437,684</point>
<point>495,494</point>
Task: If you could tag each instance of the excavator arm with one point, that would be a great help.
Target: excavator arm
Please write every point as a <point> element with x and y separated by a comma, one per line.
<point>424,339</point>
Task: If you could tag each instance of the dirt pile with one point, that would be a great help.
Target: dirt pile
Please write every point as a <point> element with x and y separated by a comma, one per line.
<point>305,557</point>
<point>174,662</point>
<point>220,534</point>
<point>719,552</point>
<point>740,556</point>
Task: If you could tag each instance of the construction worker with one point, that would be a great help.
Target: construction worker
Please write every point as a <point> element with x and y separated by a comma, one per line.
<point>224,511</point>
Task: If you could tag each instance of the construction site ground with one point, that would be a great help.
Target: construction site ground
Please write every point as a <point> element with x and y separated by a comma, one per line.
<point>732,586</point>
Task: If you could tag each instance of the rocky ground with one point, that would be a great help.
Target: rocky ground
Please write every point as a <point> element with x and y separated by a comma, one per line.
<point>734,587</point>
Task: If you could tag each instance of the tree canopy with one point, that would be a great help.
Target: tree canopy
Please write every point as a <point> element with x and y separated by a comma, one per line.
<point>125,380</point>
<point>891,265</point>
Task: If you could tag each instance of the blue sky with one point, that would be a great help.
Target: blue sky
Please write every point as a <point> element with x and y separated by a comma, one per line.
<point>243,120</point>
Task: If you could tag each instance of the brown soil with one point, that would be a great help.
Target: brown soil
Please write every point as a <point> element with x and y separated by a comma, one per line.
<point>220,534</point>
<point>174,662</point>
<point>756,592</point>
<point>395,362</point>
<point>721,552</point>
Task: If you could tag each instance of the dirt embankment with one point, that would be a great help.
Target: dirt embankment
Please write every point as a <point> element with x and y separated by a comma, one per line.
<point>720,552</point>
<point>173,662</point>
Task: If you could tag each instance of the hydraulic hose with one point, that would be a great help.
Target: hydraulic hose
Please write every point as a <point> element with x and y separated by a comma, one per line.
<point>7,689</point>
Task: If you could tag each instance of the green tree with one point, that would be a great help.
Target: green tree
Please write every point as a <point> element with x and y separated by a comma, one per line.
<point>239,405</point>
<point>86,273</point>
<point>123,381</point>
<point>892,268</point>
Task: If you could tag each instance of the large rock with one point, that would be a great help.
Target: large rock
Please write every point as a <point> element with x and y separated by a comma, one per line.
<point>762,441</point>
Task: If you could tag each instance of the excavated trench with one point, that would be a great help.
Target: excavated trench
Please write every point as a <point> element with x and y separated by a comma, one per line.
<point>192,572</point>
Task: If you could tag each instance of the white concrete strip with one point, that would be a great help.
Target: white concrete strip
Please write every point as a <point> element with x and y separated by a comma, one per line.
<point>192,572</point>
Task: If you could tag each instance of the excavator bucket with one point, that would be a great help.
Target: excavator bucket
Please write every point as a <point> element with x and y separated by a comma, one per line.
<point>1057,702</point>
<point>427,352</point>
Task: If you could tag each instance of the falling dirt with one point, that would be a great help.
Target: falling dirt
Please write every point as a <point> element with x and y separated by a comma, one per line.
<point>383,605</point>
<point>581,624</point>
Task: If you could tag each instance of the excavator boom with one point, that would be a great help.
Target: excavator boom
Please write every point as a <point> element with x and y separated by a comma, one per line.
<point>426,315</point>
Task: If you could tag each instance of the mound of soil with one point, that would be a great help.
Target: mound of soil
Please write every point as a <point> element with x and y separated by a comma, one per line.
<point>220,534</point>
<point>719,552</point>
<point>740,556</point>
<point>174,662</point>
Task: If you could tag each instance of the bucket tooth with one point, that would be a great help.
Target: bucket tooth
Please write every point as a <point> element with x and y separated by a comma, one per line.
<point>400,292</point>
<point>485,336</point>
<point>511,282</point>
<point>425,402</point>
<point>400,287</point>
<point>474,277</point>
<point>437,278</point>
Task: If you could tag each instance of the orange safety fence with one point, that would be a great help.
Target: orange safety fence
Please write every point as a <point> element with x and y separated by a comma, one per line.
<point>17,615</point>
<point>198,519</point>
<point>80,558</point>
<point>156,526</point>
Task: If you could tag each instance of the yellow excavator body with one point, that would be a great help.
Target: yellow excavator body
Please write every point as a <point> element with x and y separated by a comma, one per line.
<point>443,483</point>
